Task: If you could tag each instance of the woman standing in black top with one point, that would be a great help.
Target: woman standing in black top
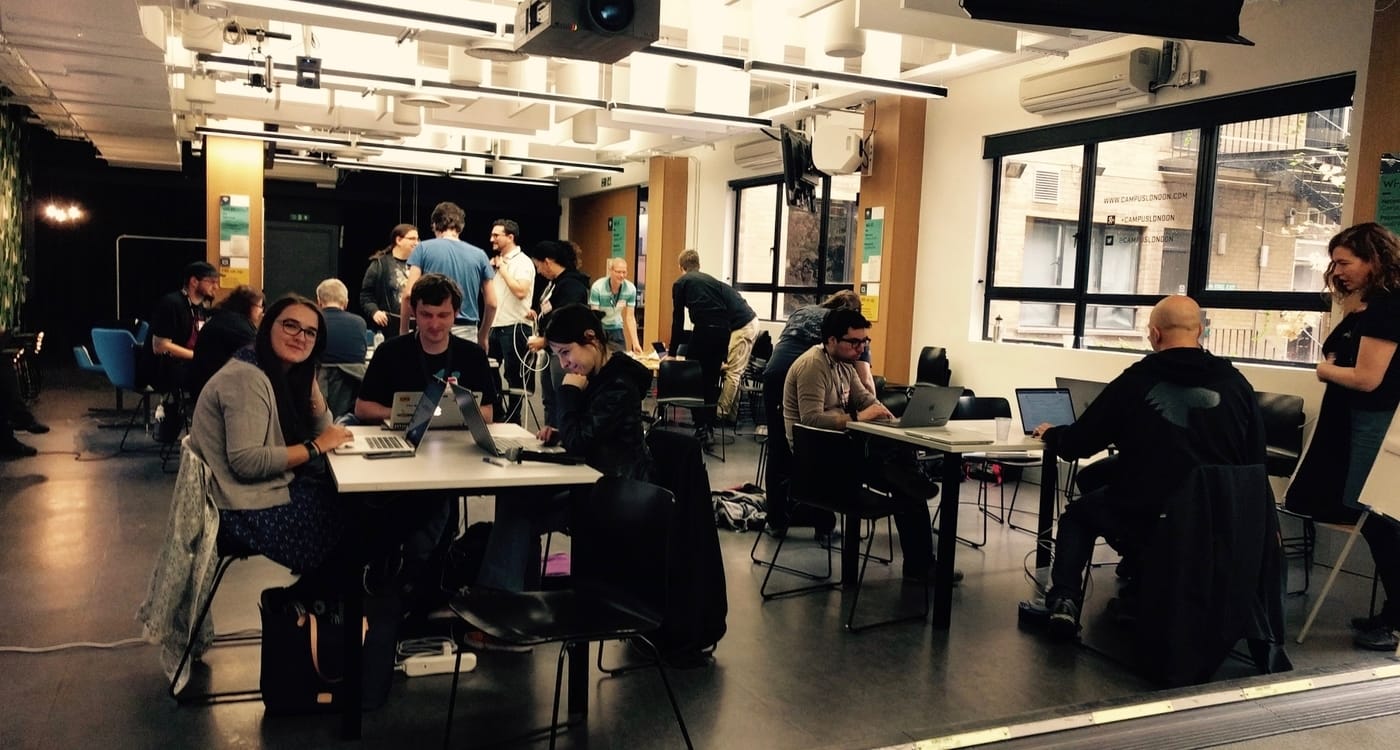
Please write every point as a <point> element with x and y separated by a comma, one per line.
<point>384,281</point>
<point>564,285</point>
<point>1366,261</point>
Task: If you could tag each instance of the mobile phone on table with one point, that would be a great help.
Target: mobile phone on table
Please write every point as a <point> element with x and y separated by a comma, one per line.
<point>659,347</point>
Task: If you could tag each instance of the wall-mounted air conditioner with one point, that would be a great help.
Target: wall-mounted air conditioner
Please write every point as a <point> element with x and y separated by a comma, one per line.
<point>1092,83</point>
<point>759,153</point>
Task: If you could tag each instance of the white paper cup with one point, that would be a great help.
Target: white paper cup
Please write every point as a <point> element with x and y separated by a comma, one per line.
<point>1003,429</point>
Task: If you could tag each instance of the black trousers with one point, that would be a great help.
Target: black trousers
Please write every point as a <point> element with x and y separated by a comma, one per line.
<point>1123,522</point>
<point>778,470</point>
<point>507,345</point>
<point>1383,535</point>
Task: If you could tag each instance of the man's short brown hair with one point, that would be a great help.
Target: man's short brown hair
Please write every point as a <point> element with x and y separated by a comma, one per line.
<point>434,289</point>
<point>689,260</point>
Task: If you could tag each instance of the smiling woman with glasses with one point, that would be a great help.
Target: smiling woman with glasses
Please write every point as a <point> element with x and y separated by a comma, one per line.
<point>261,425</point>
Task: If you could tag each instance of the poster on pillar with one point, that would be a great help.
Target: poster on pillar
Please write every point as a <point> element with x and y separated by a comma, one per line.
<point>870,301</point>
<point>1388,197</point>
<point>233,240</point>
<point>871,252</point>
<point>618,226</point>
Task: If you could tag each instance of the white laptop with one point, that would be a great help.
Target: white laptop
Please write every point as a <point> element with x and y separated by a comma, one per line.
<point>395,446</point>
<point>445,417</point>
<point>952,435</point>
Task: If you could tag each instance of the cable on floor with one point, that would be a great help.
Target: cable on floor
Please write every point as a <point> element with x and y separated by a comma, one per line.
<point>76,644</point>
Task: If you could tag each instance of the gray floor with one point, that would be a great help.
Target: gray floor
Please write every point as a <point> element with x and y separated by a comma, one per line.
<point>79,527</point>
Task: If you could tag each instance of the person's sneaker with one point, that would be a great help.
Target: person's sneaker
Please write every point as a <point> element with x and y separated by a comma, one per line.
<point>1064,619</point>
<point>479,641</point>
<point>1369,622</point>
<point>929,573</point>
<point>13,448</point>
<point>1382,638</point>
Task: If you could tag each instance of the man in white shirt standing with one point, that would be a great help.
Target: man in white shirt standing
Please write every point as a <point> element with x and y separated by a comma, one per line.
<point>515,286</point>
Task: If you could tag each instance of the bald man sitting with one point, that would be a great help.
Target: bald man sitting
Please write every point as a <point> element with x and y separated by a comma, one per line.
<point>1177,408</point>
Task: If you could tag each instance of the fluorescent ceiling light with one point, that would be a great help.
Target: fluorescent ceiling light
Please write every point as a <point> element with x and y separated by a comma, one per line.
<point>727,61</point>
<point>780,72</point>
<point>468,176</point>
<point>355,166</point>
<point>370,12</point>
<point>316,140</point>
<point>706,117</point>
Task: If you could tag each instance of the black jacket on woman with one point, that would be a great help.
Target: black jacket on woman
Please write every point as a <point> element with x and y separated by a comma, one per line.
<point>603,421</point>
<point>377,293</point>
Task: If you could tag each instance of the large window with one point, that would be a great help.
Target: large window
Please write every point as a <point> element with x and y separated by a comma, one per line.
<point>786,258</point>
<point>1092,222</point>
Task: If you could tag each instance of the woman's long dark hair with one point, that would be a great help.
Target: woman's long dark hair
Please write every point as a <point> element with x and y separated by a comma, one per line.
<point>242,300</point>
<point>571,324</point>
<point>292,388</point>
<point>400,231</point>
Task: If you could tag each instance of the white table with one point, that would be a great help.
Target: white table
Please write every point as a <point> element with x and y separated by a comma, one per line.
<point>948,496</point>
<point>447,460</point>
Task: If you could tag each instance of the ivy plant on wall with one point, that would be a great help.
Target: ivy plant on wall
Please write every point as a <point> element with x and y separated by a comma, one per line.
<point>11,222</point>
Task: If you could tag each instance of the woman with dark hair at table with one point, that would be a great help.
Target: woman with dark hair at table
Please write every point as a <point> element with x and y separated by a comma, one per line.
<point>262,426</point>
<point>232,325</point>
<point>600,421</point>
<point>1363,377</point>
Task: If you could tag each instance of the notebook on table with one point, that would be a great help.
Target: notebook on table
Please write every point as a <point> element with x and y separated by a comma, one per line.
<point>1044,405</point>
<point>446,415</point>
<point>929,406</point>
<point>395,446</point>
<point>952,435</point>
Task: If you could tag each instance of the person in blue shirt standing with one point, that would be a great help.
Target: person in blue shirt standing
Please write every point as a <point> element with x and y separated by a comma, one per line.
<point>462,262</point>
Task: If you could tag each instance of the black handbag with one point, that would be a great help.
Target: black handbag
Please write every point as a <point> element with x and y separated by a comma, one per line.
<point>303,651</point>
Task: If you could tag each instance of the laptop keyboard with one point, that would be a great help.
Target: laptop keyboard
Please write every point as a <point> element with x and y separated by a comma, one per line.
<point>380,442</point>
<point>507,443</point>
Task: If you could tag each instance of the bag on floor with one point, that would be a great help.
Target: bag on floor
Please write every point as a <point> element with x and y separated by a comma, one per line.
<point>303,667</point>
<point>741,509</point>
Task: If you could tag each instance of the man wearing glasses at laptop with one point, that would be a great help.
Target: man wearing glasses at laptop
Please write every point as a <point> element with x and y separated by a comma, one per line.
<point>1174,410</point>
<point>823,390</point>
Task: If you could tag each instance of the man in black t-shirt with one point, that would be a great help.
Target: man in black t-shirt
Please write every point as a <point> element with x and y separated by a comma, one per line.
<point>714,304</point>
<point>176,322</point>
<point>409,362</point>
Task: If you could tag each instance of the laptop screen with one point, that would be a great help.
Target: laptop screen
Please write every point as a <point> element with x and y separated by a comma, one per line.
<point>423,415</point>
<point>1041,405</point>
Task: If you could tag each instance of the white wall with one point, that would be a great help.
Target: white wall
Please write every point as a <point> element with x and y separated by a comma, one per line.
<point>1296,40</point>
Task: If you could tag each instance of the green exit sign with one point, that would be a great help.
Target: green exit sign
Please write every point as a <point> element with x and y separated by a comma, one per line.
<point>300,217</point>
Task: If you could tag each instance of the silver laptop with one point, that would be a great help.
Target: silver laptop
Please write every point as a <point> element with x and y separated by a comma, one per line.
<point>952,435</point>
<point>929,406</point>
<point>405,404</point>
<point>1040,406</point>
<point>481,432</point>
<point>394,446</point>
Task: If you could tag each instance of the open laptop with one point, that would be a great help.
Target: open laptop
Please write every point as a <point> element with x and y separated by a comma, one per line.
<point>1081,392</point>
<point>394,446</point>
<point>1044,405</point>
<point>929,406</point>
<point>481,432</point>
<point>446,416</point>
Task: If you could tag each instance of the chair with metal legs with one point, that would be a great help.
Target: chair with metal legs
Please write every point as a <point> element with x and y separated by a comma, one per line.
<point>821,478</point>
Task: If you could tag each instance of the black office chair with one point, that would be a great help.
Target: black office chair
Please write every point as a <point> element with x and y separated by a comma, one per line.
<point>680,383</point>
<point>709,345</point>
<point>823,477</point>
<point>620,572</point>
<point>933,366</point>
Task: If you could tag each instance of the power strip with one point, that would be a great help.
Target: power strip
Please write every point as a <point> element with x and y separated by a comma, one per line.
<point>421,665</point>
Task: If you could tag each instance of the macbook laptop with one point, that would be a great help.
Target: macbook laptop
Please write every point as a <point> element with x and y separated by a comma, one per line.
<point>929,406</point>
<point>1041,405</point>
<point>481,432</point>
<point>1081,392</point>
<point>952,435</point>
<point>401,410</point>
<point>394,446</point>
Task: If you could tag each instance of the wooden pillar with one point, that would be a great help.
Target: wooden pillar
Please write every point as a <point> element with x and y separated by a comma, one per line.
<point>1380,128</point>
<point>234,169</point>
<point>667,187</point>
<point>589,226</point>
<point>895,186</point>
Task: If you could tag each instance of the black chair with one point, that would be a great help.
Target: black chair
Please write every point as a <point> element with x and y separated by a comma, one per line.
<point>933,366</point>
<point>823,477</point>
<point>751,383</point>
<point>1283,444</point>
<point>990,407</point>
<point>340,384</point>
<point>680,383</point>
<point>619,572</point>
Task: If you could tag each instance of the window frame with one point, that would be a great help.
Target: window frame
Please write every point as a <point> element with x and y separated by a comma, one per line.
<point>1207,116</point>
<point>773,286</point>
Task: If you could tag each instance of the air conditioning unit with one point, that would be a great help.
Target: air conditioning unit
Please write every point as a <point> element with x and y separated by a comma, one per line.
<point>1092,83</point>
<point>761,153</point>
<point>600,30</point>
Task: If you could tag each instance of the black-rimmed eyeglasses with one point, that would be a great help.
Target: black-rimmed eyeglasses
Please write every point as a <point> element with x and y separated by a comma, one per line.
<point>292,328</point>
<point>857,342</point>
